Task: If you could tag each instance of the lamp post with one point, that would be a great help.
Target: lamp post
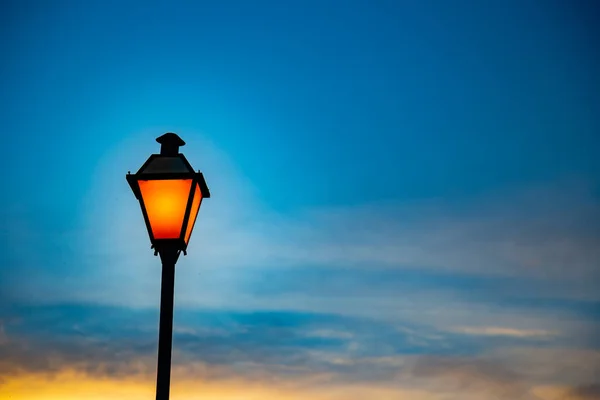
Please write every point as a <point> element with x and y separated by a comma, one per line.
<point>170,194</point>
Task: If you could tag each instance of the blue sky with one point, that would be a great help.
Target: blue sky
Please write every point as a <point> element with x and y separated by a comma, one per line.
<point>406,196</point>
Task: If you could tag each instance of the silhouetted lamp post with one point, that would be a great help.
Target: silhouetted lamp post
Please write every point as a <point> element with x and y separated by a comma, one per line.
<point>170,193</point>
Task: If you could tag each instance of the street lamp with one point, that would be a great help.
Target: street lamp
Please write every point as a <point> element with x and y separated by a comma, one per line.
<point>170,193</point>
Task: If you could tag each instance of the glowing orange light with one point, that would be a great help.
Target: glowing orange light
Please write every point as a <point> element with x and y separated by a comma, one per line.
<point>166,201</point>
<point>193,213</point>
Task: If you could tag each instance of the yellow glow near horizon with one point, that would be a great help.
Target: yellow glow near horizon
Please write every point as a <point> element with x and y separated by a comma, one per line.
<point>165,202</point>
<point>69,385</point>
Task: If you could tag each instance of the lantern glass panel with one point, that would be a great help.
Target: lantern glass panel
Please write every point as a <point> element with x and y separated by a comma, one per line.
<point>165,202</point>
<point>193,212</point>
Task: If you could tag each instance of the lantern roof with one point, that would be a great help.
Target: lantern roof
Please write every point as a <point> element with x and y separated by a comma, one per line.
<point>159,164</point>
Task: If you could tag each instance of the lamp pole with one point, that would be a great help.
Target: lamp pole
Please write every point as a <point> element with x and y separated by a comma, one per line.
<point>168,257</point>
<point>170,193</point>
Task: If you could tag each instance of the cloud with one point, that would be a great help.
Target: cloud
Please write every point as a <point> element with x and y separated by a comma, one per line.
<point>322,356</point>
<point>49,338</point>
<point>3,338</point>
<point>395,377</point>
<point>499,331</point>
<point>104,341</point>
<point>472,376</point>
<point>558,365</point>
<point>586,392</point>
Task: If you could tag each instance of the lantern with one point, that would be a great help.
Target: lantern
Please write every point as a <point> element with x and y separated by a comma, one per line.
<point>170,194</point>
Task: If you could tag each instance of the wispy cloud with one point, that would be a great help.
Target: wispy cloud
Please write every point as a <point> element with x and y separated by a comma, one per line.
<point>278,352</point>
<point>499,331</point>
<point>585,392</point>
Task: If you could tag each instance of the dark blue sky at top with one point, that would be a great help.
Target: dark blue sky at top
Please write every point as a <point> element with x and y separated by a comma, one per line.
<point>316,102</point>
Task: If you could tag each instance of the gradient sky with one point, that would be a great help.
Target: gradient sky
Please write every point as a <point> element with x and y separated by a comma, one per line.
<point>405,198</point>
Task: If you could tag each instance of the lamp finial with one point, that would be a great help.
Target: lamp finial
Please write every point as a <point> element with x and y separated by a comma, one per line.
<point>170,143</point>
